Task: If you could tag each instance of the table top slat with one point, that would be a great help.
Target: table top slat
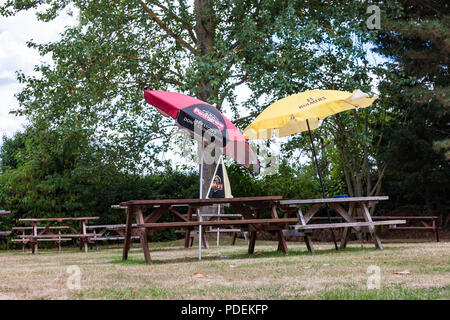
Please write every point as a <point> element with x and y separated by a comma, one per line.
<point>333,200</point>
<point>200,202</point>
<point>41,228</point>
<point>109,226</point>
<point>57,219</point>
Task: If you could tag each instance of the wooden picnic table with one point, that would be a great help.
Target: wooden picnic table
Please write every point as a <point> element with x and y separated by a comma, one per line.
<point>248,207</point>
<point>45,233</point>
<point>4,213</point>
<point>355,205</point>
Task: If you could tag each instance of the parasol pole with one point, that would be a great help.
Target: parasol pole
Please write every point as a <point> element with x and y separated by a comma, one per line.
<point>198,211</point>
<point>321,182</point>
<point>218,206</point>
<point>218,218</point>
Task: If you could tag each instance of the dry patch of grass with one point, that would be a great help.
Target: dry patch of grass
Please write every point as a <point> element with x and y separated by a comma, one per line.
<point>231,273</point>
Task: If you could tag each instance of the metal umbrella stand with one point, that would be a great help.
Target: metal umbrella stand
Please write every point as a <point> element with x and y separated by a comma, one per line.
<point>321,182</point>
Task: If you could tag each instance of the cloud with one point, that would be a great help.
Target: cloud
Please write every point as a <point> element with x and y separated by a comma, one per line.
<point>6,81</point>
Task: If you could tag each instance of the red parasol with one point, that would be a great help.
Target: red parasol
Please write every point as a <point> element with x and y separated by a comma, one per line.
<point>189,111</point>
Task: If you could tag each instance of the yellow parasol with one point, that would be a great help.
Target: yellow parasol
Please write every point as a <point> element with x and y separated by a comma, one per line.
<point>301,112</point>
<point>293,114</point>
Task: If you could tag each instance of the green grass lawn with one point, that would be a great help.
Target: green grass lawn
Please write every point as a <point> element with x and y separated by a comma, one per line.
<point>230,273</point>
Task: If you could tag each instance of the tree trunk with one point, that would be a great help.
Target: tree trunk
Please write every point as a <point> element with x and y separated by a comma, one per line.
<point>205,34</point>
<point>205,30</point>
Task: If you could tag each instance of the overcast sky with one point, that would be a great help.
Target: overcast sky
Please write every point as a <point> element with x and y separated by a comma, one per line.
<point>15,55</point>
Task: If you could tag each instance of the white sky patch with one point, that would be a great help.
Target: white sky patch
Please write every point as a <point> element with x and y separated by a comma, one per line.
<point>15,31</point>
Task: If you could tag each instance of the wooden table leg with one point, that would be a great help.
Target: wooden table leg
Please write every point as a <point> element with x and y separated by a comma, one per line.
<point>374,235</point>
<point>307,239</point>
<point>143,235</point>
<point>127,238</point>
<point>95,240</point>
<point>347,231</point>
<point>34,243</point>
<point>233,240</point>
<point>436,231</point>
<point>187,237</point>
<point>251,244</point>
<point>85,240</point>
<point>204,239</point>
<point>203,235</point>
<point>345,236</point>
<point>23,242</point>
<point>282,246</point>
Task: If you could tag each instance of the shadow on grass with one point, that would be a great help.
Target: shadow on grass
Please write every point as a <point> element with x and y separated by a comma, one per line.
<point>243,255</point>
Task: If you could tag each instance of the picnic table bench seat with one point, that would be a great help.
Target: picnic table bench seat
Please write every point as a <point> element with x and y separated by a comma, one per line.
<point>51,236</point>
<point>109,226</point>
<point>231,229</point>
<point>109,232</point>
<point>423,220</point>
<point>223,230</point>
<point>25,240</point>
<point>347,224</point>
<point>244,222</point>
<point>112,238</point>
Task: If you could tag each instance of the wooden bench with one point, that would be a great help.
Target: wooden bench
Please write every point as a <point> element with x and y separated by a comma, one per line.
<point>247,223</point>
<point>212,216</point>
<point>26,238</point>
<point>346,225</point>
<point>409,219</point>
<point>421,219</point>
<point>110,232</point>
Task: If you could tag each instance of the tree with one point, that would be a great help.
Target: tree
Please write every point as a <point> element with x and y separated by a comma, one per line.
<point>10,150</point>
<point>202,48</point>
<point>414,38</point>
